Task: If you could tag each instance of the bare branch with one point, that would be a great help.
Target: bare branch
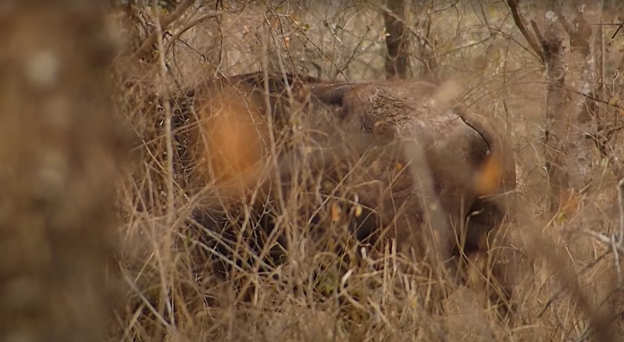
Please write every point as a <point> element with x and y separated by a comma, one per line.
<point>621,208</point>
<point>579,33</point>
<point>197,22</point>
<point>538,33</point>
<point>397,42</point>
<point>618,30</point>
<point>175,15</point>
<point>604,239</point>
<point>567,25</point>
<point>517,16</point>
<point>164,24</point>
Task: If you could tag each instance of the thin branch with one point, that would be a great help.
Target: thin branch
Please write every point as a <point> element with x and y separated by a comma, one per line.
<point>517,16</point>
<point>618,30</point>
<point>170,218</point>
<point>618,269</point>
<point>566,24</point>
<point>197,22</point>
<point>616,247</point>
<point>538,33</point>
<point>175,15</point>
<point>597,320</point>
<point>621,208</point>
<point>604,239</point>
<point>562,287</point>
<point>164,25</point>
<point>594,98</point>
<point>601,89</point>
<point>168,125</point>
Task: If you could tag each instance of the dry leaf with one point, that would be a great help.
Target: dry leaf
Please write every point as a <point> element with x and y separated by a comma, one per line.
<point>358,210</point>
<point>569,202</point>
<point>336,212</point>
<point>614,100</point>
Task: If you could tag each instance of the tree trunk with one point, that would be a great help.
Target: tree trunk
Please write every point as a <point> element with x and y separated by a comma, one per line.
<point>572,156</point>
<point>568,154</point>
<point>397,40</point>
<point>555,134</point>
<point>58,151</point>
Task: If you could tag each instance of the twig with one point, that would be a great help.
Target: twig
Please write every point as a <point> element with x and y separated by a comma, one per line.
<point>601,89</point>
<point>590,97</point>
<point>567,25</point>
<point>517,16</point>
<point>169,219</point>
<point>616,247</point>
<point>621,208</point>
<point>164,25</point>
<point>168,119</point>
<point>616,256</point>
<point>618,30</point>
<point>197,22</point>
<point>603,238</point>
<point>585,335</point>
<point>561,288</point>
<point>536,30</point>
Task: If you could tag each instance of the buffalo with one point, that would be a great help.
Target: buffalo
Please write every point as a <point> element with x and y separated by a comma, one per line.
<point>467,158</point>
<point>406,163</point>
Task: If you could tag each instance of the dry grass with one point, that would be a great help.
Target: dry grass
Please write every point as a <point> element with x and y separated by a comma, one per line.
<point>176,296</point>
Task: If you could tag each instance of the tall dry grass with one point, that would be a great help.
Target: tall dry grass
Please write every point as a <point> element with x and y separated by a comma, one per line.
<point>567,271</point>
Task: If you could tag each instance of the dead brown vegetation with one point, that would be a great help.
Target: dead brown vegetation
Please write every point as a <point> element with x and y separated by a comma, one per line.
<point>294,270</point>
<point>354,141</point>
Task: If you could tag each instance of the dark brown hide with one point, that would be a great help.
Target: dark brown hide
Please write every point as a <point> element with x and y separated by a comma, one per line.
<point>456,143</point>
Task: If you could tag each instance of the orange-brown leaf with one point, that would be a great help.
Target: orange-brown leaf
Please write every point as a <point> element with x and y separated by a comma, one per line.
<point>358,210</point>
<point>336,212</point>
<point>569,201</point>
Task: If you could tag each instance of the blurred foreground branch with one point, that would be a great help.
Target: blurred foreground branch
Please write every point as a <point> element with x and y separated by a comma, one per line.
<point>59,153</point>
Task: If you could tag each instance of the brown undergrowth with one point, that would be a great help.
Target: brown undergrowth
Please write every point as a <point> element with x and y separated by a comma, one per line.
<point>235,277</point>
<point>184,286</point>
